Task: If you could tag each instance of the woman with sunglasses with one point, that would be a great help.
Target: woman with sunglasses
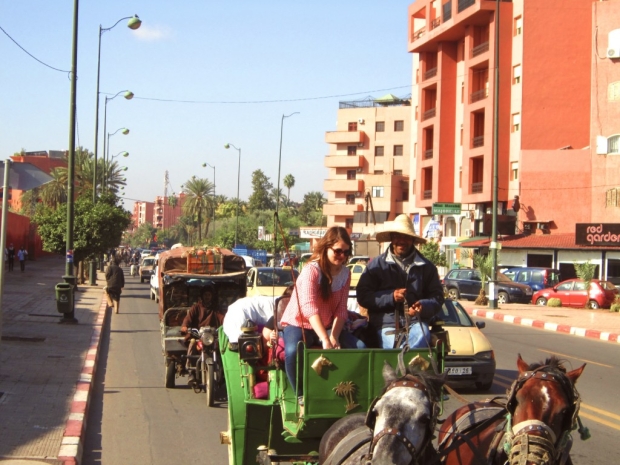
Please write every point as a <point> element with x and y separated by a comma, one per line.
<point>318,306</point>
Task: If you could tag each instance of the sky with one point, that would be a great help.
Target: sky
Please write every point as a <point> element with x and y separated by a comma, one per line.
<point>204,73</point>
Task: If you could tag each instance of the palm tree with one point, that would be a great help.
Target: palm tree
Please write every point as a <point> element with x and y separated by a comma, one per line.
<point>277,199</point>
<point>199,201</point>
<point>289,182</point>
<point>55,192</point>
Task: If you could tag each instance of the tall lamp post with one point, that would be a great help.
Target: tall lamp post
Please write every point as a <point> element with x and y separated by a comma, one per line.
<point>227,146</point>
<point>133,23</point>
<point>128,95</point>
<point>204,165</point>
<point>106,154</point>
<point>119,154</point>
<point>275,231</point>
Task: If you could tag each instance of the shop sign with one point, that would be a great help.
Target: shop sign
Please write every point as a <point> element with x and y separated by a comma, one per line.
<point>446,209</point>
<point>312,233</point>
<point>597,234</point>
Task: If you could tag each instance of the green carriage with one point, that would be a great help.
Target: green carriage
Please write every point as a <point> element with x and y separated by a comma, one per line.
<point>335,383</point>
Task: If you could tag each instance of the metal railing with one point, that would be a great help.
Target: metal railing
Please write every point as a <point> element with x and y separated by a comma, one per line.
<point>427,195</point>
<point>477,141</point>
<point>478,95</point>
<point>430,73</point>
<point>480,49</point>
<point>429,114</point>
<point>428,154</point>
<point>434,23</point>
<point>476,187</point>
<point>417,34</point>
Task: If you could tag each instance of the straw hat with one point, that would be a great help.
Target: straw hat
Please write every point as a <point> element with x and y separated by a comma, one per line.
<point>402,225</point>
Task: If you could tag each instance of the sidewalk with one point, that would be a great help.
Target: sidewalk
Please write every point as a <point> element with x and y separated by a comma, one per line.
<point>46,368</point>
<point>596,324</point>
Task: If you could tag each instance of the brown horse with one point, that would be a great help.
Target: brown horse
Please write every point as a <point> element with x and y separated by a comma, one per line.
<point>533,427</point>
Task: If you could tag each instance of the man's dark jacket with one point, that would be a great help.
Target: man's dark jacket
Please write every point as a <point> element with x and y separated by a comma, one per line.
<point>375,290</point>
<point>115,278</point>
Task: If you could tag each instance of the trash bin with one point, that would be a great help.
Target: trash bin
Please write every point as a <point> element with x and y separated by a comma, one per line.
<point>64,297</point>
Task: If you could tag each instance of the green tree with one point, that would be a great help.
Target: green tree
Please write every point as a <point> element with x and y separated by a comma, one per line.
<point>431,251</point>
<point>97,228</point>
<point>261,188</point>
<point>142,236</point>
<point>311,209</point>
<point>585,271</point>
<point>289,183</point>
<point>199,202</point>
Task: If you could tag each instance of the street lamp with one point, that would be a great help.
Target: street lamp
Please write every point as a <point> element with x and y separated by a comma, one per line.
<point>133,23</point>
<point>204,165</point>
<point>106,149</point>
<point>128,95</point>
<point>227,146</point>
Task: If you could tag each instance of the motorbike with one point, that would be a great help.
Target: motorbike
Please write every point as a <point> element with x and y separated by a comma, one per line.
<point>207,371</point>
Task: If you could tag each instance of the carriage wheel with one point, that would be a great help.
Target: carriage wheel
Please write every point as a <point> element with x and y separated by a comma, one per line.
<point>169,373</point>
<point>209,381</point>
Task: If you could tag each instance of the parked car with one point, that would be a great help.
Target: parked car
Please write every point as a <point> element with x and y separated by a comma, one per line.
<point>363,259</point>
<point>270,281</point>
<point>466,283</point>
<point>155,285</point>
<point>356,272</point>
<point>572,293</point>
<point>536,277</point>
<point>146,268</point>
<point>471,359</point>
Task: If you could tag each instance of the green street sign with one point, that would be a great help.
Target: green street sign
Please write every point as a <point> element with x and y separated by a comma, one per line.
<point>446,209</point>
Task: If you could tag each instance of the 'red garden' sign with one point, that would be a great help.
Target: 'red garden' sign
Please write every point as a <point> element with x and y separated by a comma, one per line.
<point>597,234</point>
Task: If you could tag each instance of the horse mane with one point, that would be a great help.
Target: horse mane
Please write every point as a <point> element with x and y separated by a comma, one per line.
<point>431,381</point>
<point>552,363</point>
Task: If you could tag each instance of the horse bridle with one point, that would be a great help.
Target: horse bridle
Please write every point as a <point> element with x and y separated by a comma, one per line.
<point>408,381</point>
<point>520,445</point>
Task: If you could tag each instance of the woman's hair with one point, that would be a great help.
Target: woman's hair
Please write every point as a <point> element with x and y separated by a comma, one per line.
<point>333,235</point>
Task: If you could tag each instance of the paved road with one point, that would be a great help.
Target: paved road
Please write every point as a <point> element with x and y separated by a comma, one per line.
<point>134,418</point>
<point>600,409</point>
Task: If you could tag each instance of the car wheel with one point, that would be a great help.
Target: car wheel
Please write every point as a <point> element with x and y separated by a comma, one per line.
<point>453,293</point>
<point>502,298</point>
<point>170,372</point>
<point>484,386</point>
<point>541,301</point>
<point>593,305</point>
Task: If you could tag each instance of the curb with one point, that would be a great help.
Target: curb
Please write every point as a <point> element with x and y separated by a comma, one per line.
<point>566,329</point>
<point>70,452</point>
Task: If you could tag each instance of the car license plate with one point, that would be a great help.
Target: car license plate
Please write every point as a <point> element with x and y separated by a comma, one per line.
<point>459,370</point>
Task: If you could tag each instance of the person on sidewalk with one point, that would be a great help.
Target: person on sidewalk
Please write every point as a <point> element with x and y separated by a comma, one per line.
<point>115,281</point>
<point>11,256</point>
<point>22,254</point>
<point>400,281</point>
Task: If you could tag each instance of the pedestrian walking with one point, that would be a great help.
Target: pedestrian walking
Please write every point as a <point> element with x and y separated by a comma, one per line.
<point>115,281</point>
<point>11,256</point>
<point>22,254</point>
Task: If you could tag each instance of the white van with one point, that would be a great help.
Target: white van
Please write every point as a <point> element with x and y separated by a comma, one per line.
<point>249,261</point>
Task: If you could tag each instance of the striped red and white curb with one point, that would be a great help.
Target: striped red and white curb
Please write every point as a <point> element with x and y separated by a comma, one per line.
<point>567,329</point>
<point>71,446</point>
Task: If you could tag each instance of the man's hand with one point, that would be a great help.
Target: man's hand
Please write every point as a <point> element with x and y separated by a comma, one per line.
<point>415,309</point>
<point>399,295</point>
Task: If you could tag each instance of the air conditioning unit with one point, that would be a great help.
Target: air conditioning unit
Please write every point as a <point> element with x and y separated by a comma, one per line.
<point>358,194</point>
<point>359,170</point>
<point>361,120</point>
<point>543,226</point>
<point>361,144</point>
<point>613,52</point>
<point>469,233</point>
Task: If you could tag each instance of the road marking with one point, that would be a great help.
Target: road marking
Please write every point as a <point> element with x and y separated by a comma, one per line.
<point>575,358</point>
<point>601,412</point>
<point>505,378</point>
<point>599,420</point>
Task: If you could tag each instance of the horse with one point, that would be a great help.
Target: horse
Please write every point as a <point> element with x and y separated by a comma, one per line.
<point>397,429</point>
<point>533,427</point>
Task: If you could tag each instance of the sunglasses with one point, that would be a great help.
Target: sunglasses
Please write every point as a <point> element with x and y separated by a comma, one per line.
<point>340,252</point>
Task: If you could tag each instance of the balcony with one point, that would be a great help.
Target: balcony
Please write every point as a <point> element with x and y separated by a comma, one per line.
<point>343,185</point>
<point>344,137</point>
<point>417,34</point>
<point>478,95</point>
<point>434,23</point>
<point>479,49</point>
<point>477,141</point>
<point>431,73</point>
<point>476,188</point>
<point>341,208</point>
<point>428,154</point>
<point>428,114</point>
<point>344,161</point>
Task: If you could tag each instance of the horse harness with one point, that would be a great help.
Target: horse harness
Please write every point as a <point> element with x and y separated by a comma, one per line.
<point>407,381</point>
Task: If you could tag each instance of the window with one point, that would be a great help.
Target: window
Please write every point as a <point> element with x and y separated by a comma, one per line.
<point>613,145</point>
<point>398,172</point>
<point>613,91</point>
<point>350,199</point>
<point>415,149</point>
<point>516,74</point>
<point>352,127</point>
<point>460,176</point>
<point>377,191</point>
<point>378,172</point>
<point>351,174</point>
<point>380,126</point>
<point>405,196</point>
<point>348,223</point>
<point>398,150</point>
<point>461,135</point>
<point>399,126</point>
<point>351,150</point>
<point>413,187</point>
<point>379,151</point>
<point>462,92</point>
<point>516,122</point>
<point>518,27</point>
<point>514,170</point>
<point>415,114</point>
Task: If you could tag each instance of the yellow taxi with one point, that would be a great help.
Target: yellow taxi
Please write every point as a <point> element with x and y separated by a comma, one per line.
<point>356,271</point>
<point>270,281</point>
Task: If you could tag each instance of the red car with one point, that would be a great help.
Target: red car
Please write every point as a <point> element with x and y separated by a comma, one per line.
<point>572,293</point>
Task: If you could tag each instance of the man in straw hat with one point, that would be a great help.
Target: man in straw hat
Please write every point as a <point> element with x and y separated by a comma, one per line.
<point>400,281</point>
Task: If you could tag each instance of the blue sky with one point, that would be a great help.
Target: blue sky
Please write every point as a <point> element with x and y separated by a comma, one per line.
<point>194,55</point>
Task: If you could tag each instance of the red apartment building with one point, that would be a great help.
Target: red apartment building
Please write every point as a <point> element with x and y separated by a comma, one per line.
<point>44,160</point>
<point>161,214</point>
<point>558,124</point>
